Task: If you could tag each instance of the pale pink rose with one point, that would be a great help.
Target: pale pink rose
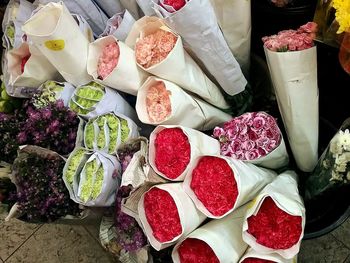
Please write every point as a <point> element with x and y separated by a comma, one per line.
<point>218,131</point>
<point>258,122</point>
<point>108,60</point>
<point>252,155</point>
<point>158,104</point>
<point>262,142</point>
<point>248,145</point>
<point>271,146</point>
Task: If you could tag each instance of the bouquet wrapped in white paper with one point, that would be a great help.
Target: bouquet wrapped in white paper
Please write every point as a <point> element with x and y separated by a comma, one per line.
<point>84,27</point>
<point>119,25</point>
<point>275,220</point>
<point>93,99</point>
<point>234,17</point>
<point>218,185</point>
<point>167,214</point>
<point>196,21</point>
<point>253,137</point>
<point>294,77</point>
<point>92,181</point>
<point>146,7</point>
<point>113,63</point>
<point>250,255</point>
<point>159,51</point>
<point>163,102</point>
<point>132,7</point>
<point>53,90</point>
<point>110,7</point>
<point>17,12</point>
<point>108,131</point>
<point>28,67</point>
<point>217,241</point>
<point>172,148</point>
<point>53,30</point>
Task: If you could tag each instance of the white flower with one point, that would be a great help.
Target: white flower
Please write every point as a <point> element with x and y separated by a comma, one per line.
<point>336,177</point>
<point>344,139</point>
<point>335,146</point>
<point>326,164</point>
<point>341,159</point>
<point>341,168</point>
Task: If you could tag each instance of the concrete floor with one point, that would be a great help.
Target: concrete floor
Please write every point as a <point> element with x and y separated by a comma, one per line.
<point>43,243</point>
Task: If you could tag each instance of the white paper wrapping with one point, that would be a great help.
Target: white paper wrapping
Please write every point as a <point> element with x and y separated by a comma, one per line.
<point>126,76</point>
<point>200,144</point>
<point>190,217</point>
<point>197,21</point>
<point>17,12</point>
<point>66,49</point>
<point>275,159</point>
<point>132,7</point>
<point>110,184</point>
<point>146,7</point>
<point>250,253</point>
<point>223,236</point>
<point>65,94</point>
<point>119,25</point>
<point>134,129</point>
<point>294,77</point>
<point>234,17</point>
<point>250,181</point>
<point>87,8</point>
<point>110,7</point>
<point>36,71</point>
<point>284,192</point>
<point>84,27</point>
<point>178,66</point>
<point>186,110</point>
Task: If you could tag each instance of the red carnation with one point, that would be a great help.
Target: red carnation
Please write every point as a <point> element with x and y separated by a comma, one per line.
<point>273,227</point>
<point>176,4</point>
<point>172,152</point>
<point>257,260</point>
<point>194,250</point>
<point>162,215</point>
<point>214,184</point>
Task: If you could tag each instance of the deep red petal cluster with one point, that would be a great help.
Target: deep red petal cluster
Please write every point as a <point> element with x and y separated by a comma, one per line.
<point>194,250</point>
<point>162,215</point>
<point>176,4</point>
<point>257,260</point>
<point>214,184</point>
<point>172,152</point>
<point>273,227</point>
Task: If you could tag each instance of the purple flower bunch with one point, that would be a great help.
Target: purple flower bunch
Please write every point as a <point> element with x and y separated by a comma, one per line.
<point>292,40</point>
<point>126,153</point>
<point>130,234</point>
<point>41,193</point>
<point>249,136</point>
<point>54,126</point>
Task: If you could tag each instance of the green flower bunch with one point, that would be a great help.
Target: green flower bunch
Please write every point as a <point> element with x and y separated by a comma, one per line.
<point>74,161</point>
<point>90,169</point>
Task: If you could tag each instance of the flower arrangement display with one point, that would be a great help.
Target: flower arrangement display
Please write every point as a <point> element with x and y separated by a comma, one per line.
<point>291,55</point>
<point>158,49</point>
<point>110,60</point>
<point>292,40</point>
<point>154,48</point>
<point>172,148</point>
<point>275,220</point>
<point>167,214</point>
<point>94,180</point>
<point>253,137</point>
<point>219,185</point>
<point>51,91</point>
<point>217,241</point>
<point>108,131</point>
<point>163,102</point>
<point>195,250</point>
<point>41,193</point>
<point>333,168</point>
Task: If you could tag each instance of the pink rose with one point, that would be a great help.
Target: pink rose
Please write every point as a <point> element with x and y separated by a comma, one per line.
<point>258,123</point>
<point>252,155</point>
<point>218,132</point>
<point>236,146</point>
<point>248,145</point>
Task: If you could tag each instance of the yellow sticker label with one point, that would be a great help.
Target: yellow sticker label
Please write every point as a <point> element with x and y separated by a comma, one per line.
<point>55,45</point>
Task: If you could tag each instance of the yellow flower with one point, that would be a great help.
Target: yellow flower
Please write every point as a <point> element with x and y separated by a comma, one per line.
<point>342,14</point>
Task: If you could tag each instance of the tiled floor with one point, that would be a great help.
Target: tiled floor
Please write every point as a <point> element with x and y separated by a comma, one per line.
<point>31,243</point>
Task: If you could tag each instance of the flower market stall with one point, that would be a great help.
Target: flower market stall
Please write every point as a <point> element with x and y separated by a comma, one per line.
<point>193,133</point>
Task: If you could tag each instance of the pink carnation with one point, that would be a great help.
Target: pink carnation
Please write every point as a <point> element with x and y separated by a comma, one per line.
<point>158,103</point>
<point>154,48</point>
<point>108,60</point>
<point>249,136</point>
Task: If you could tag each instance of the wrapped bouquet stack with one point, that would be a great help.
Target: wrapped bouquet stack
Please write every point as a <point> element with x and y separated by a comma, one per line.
<point>133,114</point>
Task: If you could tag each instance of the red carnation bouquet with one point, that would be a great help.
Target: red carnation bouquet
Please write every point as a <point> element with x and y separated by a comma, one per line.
<point>172,148</point>
<point>253,137</point>
<point>167,214</point>
<point>275,221</point>
<point>217,241</point>
<point>218,185</point>
<point>252,256</point>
